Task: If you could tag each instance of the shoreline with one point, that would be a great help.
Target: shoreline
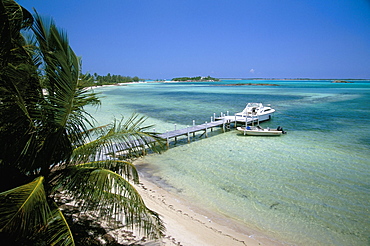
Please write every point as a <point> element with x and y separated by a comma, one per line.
<point>338,81</point>
<point>189,225</point>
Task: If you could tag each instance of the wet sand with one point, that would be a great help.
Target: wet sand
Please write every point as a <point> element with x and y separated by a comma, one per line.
<point>185,226</point>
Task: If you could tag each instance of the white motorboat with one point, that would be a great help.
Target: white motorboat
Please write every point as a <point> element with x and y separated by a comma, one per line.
<point>256,111</point>
<point>259,131</point>
<point>253,112</point>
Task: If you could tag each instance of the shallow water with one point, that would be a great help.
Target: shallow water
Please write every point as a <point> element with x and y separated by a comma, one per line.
<point>309,187</point>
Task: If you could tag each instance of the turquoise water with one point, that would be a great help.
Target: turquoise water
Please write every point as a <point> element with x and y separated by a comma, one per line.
<point>309,187</point>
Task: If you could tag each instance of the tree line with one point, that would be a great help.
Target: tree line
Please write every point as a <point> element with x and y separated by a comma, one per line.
<point>96,79</point>
<point>198,78</point>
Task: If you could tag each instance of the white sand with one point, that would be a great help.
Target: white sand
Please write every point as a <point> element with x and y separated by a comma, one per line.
<point>187,227</point>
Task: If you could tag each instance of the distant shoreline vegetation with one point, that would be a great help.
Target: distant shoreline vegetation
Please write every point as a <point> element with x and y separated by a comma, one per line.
<point>99,80</point>
<point>341,81</point>
<point>349,80</point>
<point>195,79</point>
<point>240,84</point>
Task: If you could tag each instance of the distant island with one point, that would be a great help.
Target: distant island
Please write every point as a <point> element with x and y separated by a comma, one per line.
<point>239,84</point>
<point>195,79</point>
<point>341,81</point>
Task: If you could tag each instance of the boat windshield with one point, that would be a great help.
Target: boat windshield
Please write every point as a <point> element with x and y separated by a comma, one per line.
<point>254,105</point>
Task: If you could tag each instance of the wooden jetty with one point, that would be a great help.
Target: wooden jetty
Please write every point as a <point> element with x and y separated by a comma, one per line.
<point>196,128</point>
<point>141,144</point>
<point>223,121</point>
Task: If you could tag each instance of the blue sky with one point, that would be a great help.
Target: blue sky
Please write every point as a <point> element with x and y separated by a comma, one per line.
<point>162,39</point>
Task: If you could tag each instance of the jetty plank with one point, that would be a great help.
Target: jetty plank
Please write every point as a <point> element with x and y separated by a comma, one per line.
<point>193,129</point>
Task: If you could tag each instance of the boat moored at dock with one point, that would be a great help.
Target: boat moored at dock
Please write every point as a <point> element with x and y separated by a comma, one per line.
<point>253,112</point>
<point>256,110</point>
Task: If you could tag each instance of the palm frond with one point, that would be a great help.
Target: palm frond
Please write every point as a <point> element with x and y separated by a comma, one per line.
<point>24,208</point>
<point>13,18</point>
<point>124,168</point>
<point>129,139</point>
<point>57,231</point>
<point>61,121</point>
<point>64,93</point>
<point>107,192</point>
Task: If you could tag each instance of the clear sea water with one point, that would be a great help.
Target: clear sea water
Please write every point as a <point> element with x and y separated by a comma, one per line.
<point>308,187</point>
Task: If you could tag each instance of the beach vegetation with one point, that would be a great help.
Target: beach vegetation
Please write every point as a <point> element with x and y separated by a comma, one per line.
<point>195,79</point>
<point>98,80</point>
<point>254,84</point>
<point>342,81</point>
<point>51,152</point>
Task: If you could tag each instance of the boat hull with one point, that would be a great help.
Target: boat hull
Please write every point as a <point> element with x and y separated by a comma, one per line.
<point>248,120</point>
<point>260,132</point>
<point>256,118</point>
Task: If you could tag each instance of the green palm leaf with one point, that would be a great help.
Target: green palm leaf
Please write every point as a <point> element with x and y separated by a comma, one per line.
<point>57,231</point>
<point>24,208</point>
<point>24,212</point>
<point>124,168</point>
<point>107,192</point>
<point>63,120</point>
<point>128,138</point>
<point>62,69</point>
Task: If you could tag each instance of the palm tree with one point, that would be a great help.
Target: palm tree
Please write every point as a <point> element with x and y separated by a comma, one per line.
<point>49,144</point>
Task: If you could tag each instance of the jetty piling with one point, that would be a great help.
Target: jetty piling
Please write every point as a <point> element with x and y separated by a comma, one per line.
<point>206,130</point>
<point>193,126</point>
<point>188,134</point>
<point>167,140</point>
<point>175,137</point>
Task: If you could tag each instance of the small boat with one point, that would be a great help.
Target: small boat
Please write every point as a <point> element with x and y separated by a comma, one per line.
<point>259,131</point>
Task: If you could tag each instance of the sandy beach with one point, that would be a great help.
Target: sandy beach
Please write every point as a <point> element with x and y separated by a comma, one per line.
<point>187,227</point>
